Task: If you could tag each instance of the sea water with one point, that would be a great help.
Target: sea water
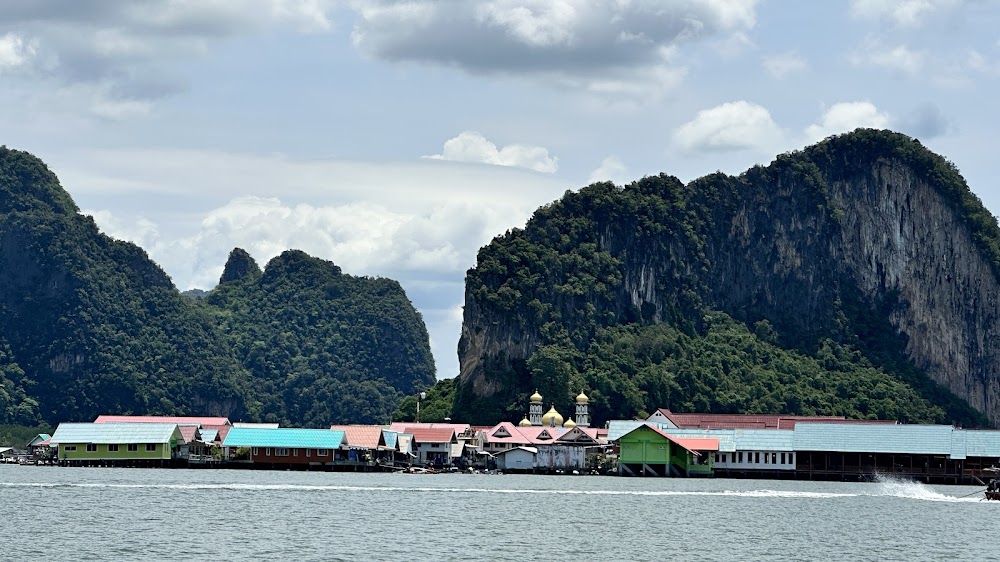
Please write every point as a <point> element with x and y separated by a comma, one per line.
<point>149,514</point>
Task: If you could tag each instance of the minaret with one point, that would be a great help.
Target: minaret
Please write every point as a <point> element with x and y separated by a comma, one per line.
<point>535,409</point>
<point>582,417</point>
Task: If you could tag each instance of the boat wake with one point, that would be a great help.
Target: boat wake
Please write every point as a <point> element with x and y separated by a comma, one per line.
<point>887,485</point>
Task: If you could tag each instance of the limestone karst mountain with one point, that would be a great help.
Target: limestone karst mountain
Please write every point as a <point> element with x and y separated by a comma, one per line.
<point>856,277</point>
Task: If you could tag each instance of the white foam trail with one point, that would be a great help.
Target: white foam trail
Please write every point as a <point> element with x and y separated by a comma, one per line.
<point>419,489</point>
<point>910,489</point>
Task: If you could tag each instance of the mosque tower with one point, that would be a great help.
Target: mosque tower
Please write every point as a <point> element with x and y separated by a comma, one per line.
<point>535,409</point>
<point>582,416</point>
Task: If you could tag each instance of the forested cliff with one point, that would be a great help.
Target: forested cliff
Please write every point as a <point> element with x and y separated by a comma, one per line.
<point>857,277</point>
<point>90,325</point>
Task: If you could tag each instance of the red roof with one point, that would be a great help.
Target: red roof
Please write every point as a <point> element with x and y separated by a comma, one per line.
<point>398,427</point>
<point>697,443</point>
<point>751,421</point>
<point>222,429</point>
<point>693,444</point>
<point>179,420</point>
<point>361,436</point>
<point>429,435</point>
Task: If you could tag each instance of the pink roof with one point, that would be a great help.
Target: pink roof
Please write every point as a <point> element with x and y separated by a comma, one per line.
<point>430,435</point>
<point>179,420</point>
<point>187,432</point>
<point>401,426</point>
<point>363,436</point>
<point>530,435</point>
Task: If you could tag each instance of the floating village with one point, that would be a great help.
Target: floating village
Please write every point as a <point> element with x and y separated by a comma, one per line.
<point>666,444</point>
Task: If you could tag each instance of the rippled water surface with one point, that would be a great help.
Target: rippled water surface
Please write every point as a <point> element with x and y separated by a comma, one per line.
<point>149,514</point>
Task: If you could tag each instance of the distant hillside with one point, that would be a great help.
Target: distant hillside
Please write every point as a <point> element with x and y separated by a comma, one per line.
<point>321,345</point>
<point>857,277</point>
<point>91,325</point>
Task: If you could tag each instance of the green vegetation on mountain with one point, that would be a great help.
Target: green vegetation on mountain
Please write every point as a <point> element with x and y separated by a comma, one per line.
<point>90,325</point>
<point>721,295</point>
<point>321,346</point>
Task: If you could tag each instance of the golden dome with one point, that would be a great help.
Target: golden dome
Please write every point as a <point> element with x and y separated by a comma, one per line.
<point>582,398</point>
<point>524,422</point>
<point>536,398</point>
<point>552,418</point>
<point>570,424</point>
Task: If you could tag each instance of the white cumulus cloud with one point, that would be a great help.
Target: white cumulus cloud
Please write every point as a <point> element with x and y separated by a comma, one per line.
<point>611,169</point>
<point>847,116</point>
<point>738,125</point>
<point>470,146</point>
<point>15,51</point>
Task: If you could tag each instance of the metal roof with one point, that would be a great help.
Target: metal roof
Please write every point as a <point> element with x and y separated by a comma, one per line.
<point>859,438</point>
<point>617,428</point>
<point>361,436</point>
<point>390,438</point>
<point>208,435</point>
<point>291,437</point>
<point>764,439</point>
<point>116,433</point>
<point>981,443</point>
<point>179,420</point>
<point>957,444</point>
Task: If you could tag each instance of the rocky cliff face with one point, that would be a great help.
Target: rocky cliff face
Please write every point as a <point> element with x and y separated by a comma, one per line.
<point>861,234</point>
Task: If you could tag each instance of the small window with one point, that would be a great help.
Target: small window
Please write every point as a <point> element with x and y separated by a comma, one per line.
<point>69,448</point>
<point>91,447</point>
<point>716,457</point>
<point>281,452</point>
<point>791,458</point>
<point>309,452</point>
<point>765,458</point>
<point>295,452</point>
<point>150,447</point>
<point>782,458</point>
<point>113,448</point>
<point>133,447</point>
<point>724,457</point>
<point>256,451</point>
<point>322,452</point>
<point>774,458</point>
<point>268,452</point>
<point>739,457</point>
<point>756,458</point>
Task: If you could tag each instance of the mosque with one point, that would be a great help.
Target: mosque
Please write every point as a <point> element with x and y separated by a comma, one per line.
<point>553,418</point>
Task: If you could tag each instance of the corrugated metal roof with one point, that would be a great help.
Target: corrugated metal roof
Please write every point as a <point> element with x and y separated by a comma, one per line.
<point>115,433</point>
<point>981,443</point>
<point>259,425</point>
<point>390,438</point>
<point>725,436</point>
<point>429,435</point>
<point>179,420</point>
<point>361,436</point>
<point>290,437</point>
<point>404,442</point>
<point>860,438</point>
<point>617,428</point>
<point>957,444</point>
<point>208,435</point>
<point>779,440</point>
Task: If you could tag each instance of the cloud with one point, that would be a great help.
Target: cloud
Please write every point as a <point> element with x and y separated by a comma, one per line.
<point>611,169</point>
<point>847,116</point>
<point>781,65</point>
<point>732,126</point>
<point>926,122</point>
<point>608,48</point>
<point>470,146</point>
<point>15,51</point>
<point>124,50</point>
<point>900,58</point>
<point>904,13</point>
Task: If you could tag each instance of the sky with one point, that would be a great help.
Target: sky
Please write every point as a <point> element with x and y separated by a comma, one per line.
<point>396,138</point>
